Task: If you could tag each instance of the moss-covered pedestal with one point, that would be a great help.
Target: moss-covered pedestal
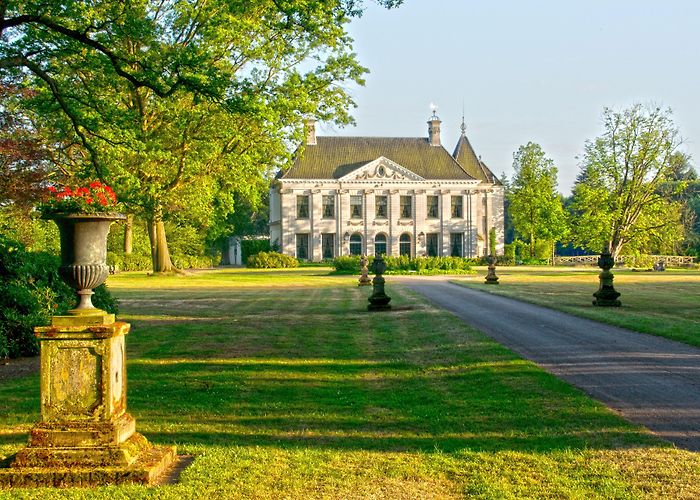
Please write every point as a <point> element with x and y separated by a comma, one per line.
<point>85,436</point>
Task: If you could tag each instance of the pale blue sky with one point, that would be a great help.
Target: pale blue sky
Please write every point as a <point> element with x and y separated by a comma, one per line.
<point>526,71</point>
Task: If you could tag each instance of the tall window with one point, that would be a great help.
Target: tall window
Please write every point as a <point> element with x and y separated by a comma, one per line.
<point>302,246</point>
<point>302,206</point>
<point>380,205</point>
<point>380,244</point>
<point>431,241</point>
<point>433,211</point>
<point>405,244</point>
<point>328,206</point>
<point>327,245</point>
<point>456,242</point>
<point>406,204</point>
<point>356,206</point>
<point>356,244</point>
<point>457,207</point>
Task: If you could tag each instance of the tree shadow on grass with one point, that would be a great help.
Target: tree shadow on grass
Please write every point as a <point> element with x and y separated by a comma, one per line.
<point>373,406</point>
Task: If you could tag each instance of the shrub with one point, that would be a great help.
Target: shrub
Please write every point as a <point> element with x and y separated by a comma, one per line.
<point>271,260</point>
<point>639,261</point>
<point>402,264</point>
<point>254,247</point>
<point>347,264</point>
<point>31,291</point>
<point>194,261</point>
<point>135,262</point>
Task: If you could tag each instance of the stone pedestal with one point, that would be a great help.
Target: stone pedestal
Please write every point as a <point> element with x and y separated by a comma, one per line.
<point>85,436</point>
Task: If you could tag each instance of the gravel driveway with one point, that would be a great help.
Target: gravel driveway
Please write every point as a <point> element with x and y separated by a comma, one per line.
<point>649,380</point>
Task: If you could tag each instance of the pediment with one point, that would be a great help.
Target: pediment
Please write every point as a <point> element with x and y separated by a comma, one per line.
<point>381,169</point>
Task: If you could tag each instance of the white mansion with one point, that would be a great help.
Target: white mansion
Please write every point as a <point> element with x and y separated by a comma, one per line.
<point>385,195</point>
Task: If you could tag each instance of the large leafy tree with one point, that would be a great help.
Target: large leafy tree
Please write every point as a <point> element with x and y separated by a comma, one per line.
<point>618,202</point>
<point>534,204</point>
<point>179,104</point>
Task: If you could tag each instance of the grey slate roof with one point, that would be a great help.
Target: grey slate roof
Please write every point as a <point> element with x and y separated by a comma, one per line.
<point>334,157</point>
<point>465,155</point>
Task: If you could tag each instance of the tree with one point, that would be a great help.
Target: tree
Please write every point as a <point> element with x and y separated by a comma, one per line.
<point>534,204</point>
<point>179,104</point>
<point>617,201</point>
<point>23,158</point>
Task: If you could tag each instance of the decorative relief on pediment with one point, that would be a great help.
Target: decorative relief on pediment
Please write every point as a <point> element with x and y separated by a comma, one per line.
<point>382,222</point>
<point>382,169</point>
<point>404,222</point>
<point>356,223</point>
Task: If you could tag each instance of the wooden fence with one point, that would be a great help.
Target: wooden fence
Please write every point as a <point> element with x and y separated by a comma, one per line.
<point>592,260</point>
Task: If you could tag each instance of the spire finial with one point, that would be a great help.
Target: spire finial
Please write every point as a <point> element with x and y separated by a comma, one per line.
<point>463,127</point>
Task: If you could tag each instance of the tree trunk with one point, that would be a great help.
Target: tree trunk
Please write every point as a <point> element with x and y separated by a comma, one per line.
<point>532,245</point>
<point>160,255</point>
<point>554,250</point>
<point>128,234</point>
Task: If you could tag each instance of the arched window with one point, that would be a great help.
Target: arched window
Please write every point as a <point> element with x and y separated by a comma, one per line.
<point>405,244</point>
<point>356,244</point>
<point>380,244</point>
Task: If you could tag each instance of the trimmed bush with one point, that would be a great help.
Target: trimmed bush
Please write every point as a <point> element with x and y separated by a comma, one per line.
<point>254,247</point>
<point>402,264</point>
<point>31,291</point>
<point>348,264</point>
<point>194,261</point>
<point>271,260</point>
<point>134,262</point>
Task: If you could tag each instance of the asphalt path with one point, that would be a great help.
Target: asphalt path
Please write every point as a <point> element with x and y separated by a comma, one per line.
<point>649,380</point>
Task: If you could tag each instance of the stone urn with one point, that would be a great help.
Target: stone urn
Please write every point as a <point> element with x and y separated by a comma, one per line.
<point>84,253</point>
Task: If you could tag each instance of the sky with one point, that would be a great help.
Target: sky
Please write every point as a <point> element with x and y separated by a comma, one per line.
<point>540,71</point>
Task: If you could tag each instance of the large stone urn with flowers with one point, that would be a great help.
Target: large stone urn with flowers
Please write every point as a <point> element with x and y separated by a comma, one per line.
<point>85,436</point>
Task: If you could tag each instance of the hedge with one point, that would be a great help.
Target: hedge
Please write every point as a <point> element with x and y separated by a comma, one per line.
<point>134,262</point>
<point>403,265</point>
<point>254,247</point>
<point>271,260</point>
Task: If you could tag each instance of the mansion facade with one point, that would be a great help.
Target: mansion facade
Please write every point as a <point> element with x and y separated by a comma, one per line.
<point>385,195</point>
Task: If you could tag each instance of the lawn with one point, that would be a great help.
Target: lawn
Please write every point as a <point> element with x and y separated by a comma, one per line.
<point>281,385</point>
<point>666,303</point>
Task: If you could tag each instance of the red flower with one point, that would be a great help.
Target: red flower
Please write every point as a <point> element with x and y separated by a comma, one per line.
<point>52,189</point>
<point>95,184</point>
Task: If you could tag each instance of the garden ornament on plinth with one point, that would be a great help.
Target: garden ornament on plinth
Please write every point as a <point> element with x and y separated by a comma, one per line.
<point>85,436</point>
<point>606,296</point>
<point>378,301</point>
<point>491,278</point>
<point>364,279</point>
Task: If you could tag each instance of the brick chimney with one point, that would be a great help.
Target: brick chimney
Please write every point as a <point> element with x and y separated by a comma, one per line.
<point>310,131</point>
<point>434,130</point>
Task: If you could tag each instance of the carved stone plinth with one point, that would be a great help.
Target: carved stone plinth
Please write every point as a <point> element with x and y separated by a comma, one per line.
<point>85,436</point>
